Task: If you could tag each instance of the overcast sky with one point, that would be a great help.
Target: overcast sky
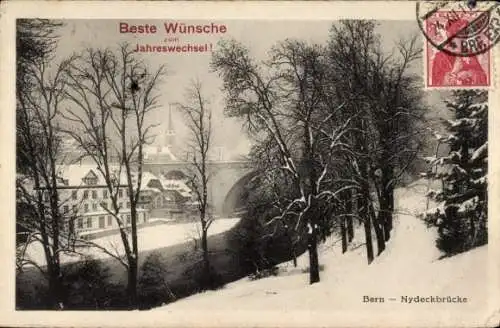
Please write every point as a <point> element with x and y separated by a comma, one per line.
<point>258,35</point>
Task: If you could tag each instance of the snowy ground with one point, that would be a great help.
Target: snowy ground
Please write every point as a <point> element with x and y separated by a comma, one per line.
<point>409,267</point>
<point>149,238</point>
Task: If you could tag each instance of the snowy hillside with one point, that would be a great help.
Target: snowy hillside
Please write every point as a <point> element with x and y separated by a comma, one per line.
<point>409,267</point>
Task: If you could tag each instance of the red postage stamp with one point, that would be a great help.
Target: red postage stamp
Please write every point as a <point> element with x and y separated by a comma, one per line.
<point>458,48</point>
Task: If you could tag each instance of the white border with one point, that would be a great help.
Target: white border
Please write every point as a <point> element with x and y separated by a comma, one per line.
<point>222,10</point>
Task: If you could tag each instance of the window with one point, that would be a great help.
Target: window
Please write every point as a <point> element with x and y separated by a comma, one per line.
<point>104,194</point>
<point>110,220</point>
<point>120,193</point>
<point>74,194</point>
<point>90,178</point>
<point>119,205</point>
<point>74,208</point>
<point>46,196</point>
<point>85,194</point>
<point>94,207</point>
<point>128,218</point>
<point>104,205</point>
<point>80,223</point>
<point>101,222</point>
<point>89,222</point>
<point>86,208</point>
<point>89,181</point>
<point>128,194</point>
<point>128,204</point>
<point>66,209</point>
<point>94,194</point>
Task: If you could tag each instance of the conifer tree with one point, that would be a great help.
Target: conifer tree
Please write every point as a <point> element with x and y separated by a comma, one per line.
<point>461,214</point>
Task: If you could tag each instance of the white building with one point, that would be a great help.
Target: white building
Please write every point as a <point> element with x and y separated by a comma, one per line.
<point>86,203</point>
<point>152,194</point>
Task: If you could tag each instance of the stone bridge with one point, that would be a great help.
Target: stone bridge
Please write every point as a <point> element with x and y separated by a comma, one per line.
<point>226,184</point>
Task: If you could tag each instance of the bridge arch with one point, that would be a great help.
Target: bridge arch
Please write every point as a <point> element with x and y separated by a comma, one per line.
<point>227,179</point>
<point>174,174</point>
<point>236,198</point>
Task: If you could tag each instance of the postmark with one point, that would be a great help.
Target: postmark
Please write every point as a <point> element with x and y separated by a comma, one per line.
<point>458,43</point>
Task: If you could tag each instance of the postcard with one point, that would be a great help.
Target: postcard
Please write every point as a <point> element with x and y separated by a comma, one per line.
<point>250,164</point>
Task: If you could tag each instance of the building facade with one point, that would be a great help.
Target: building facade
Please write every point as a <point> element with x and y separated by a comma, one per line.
<point>86,204</point>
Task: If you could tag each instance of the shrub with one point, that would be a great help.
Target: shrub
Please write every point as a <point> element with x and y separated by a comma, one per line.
<point>86,285</point>
<point>31,291</point>
<point>202,281</point>
<point>306,270</point>
<point>153,287</point>
<point>460,231</point>
<point>273,271</point>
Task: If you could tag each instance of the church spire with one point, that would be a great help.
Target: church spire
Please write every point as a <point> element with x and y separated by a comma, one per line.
<point>170,135</point>
<point>170,123</point>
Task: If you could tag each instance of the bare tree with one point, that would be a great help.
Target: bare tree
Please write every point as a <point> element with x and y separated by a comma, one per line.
<point>40,95</point>
<point>112,92</point>
<point>389,105</point>
<point>286,103</point>
<point>198,118</point>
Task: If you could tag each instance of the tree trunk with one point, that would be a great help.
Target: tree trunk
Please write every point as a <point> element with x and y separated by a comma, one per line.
<point>206,260</point>
<point>312,245</point>
<point>56,287</point>
<point>352,210</point>
<point>343,232</point>
<point>386,201</point>
<point>378,226</point>
<point>368,236</point>
<point>133,259</point>
<point>390,195</point>
<point>346,199</point>
<point>132,282</point>
<point>382,217</point>
<point>292,247</point>
<point>368,233</point>
<point>350,229</point>
<point>472,230</point>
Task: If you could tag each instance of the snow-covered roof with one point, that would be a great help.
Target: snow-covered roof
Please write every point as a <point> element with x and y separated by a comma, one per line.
<point>146,188</point>
<point>146,178</point>
<point>74,174</point>
<point>163,152</point>
<point>82,175</point>
<point>178,185</point>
